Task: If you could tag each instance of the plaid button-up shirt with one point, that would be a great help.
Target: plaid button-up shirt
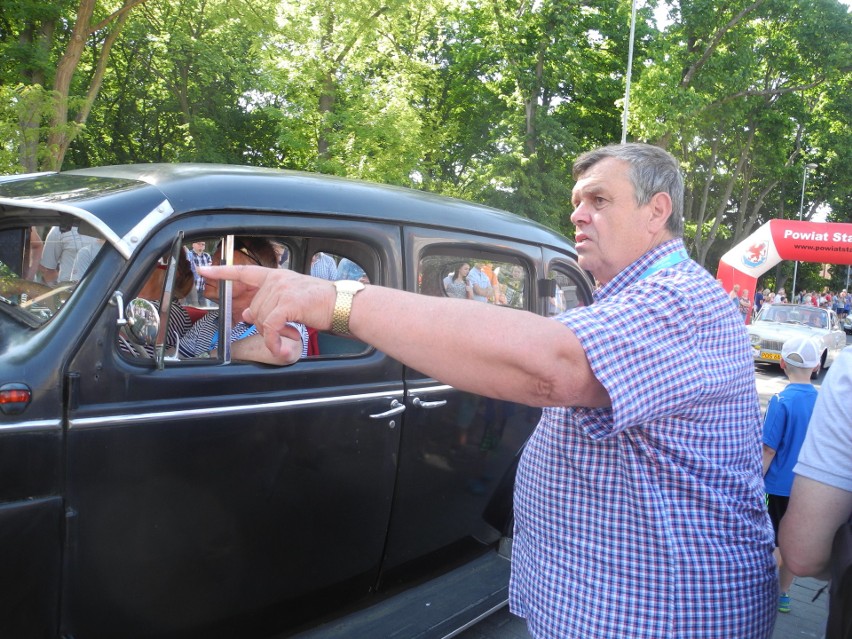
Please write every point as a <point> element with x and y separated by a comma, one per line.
<point>196,260</point>
<point>646,519</point>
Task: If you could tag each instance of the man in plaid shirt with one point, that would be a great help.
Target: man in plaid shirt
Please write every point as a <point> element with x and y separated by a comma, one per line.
<point>639,498</point>
<point>198,257</point>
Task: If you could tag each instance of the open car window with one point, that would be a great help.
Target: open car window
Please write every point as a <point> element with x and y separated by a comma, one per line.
<point>199,311</point>
<point>41,265</point>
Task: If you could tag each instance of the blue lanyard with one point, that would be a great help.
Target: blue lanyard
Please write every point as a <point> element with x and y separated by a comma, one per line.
<point>667,261</point>
<point>250,329</point>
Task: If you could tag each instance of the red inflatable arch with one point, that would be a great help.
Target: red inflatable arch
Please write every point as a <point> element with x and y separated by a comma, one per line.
<point>823,242</point>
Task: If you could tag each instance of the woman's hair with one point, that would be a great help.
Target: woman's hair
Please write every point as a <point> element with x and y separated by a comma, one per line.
<point>454,275</point>
<point>652,170</point>
<point>184,279</point>
<point>260,249</point>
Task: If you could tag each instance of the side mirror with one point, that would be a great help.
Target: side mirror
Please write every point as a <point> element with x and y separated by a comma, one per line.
<point>143,321</point>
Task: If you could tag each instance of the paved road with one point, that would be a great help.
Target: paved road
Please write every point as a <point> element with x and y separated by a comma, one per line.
<point>806,619</point>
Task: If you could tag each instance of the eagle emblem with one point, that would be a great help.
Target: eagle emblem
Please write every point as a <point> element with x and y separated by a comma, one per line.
<point>755,254</point>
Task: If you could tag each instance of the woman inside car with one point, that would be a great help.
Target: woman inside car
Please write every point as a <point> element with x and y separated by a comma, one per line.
<point>202,340</point>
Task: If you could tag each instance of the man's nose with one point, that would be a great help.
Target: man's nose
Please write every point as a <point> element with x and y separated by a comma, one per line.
<point>578,215</point>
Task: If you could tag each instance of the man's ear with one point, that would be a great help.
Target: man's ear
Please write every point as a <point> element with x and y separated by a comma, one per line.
<point>660,207</point>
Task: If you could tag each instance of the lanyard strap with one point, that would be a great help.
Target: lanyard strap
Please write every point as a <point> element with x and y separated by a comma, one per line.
<point>667,261</point>
<point>247,329</point>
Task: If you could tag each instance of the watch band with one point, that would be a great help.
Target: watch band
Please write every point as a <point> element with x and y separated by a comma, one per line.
<point>346,290</point>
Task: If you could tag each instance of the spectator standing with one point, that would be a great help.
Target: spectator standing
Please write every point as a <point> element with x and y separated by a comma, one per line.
<point>349,270</point>
<point>456,283</point>
<point>745,305</point>
<point>734,296</point>
<point>198,256</point>
<point>784,429</point>
<point>841,304</point>
<point>821,498</point>
<point>639,497</point>
<point>33,255</point>
<point>758,301</point>
<point>324,266</point>
<point>59,255</point>
<point>481,283</point>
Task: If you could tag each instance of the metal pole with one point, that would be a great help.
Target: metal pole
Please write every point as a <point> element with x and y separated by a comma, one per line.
<point>629,73</point>
<point>801,207</point>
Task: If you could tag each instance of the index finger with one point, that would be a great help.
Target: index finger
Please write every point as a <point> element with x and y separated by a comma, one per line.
<point>247,274</point>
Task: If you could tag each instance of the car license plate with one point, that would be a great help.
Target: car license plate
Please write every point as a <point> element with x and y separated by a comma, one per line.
<point>775,356</point>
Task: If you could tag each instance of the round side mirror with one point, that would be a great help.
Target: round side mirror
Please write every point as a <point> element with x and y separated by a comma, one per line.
<point>143,321</point>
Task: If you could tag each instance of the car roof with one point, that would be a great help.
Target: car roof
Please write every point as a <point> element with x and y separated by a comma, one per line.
<point>120,199</point>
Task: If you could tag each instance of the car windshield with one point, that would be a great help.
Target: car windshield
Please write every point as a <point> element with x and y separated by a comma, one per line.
<point>40,267</point>
<point>813,317</point>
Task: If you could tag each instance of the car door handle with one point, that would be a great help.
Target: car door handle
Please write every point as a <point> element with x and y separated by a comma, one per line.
<point>419,402</point>
<point>396,408</point>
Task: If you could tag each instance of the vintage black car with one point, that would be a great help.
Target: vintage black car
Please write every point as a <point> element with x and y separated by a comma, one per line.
<point>145,493</point>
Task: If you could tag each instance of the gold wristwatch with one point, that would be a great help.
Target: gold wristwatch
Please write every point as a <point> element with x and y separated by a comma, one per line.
<point>346,290</point>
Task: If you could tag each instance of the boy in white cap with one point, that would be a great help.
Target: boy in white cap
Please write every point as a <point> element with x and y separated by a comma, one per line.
<point>784,428</point>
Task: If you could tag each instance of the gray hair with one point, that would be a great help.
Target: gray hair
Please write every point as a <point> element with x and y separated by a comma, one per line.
<point>652,170</point>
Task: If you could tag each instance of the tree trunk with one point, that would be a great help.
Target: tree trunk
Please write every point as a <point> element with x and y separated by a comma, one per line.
<point>61,133</point>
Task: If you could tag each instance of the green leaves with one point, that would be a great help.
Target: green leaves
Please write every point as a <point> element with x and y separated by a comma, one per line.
<point>489,100</point>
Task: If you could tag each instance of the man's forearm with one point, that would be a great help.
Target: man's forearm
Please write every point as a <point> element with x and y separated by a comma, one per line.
<point>536,361</point>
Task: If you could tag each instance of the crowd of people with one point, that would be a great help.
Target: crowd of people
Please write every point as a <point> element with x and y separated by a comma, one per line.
<point>840,302</point>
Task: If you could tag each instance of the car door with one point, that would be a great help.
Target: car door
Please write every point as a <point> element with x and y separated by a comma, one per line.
<point>459,450</point>
<point>837,336</point>
<point>210,498</point>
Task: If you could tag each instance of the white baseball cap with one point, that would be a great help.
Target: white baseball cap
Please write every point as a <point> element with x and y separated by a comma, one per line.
<point>800,352</point>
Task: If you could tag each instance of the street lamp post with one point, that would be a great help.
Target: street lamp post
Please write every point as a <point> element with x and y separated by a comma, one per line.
<point>808,167</point>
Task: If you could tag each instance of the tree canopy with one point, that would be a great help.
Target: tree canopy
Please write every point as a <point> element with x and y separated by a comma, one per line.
<point>488,100</point>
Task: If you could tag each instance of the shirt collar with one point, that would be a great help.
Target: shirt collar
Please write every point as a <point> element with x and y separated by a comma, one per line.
<point>637,269</point>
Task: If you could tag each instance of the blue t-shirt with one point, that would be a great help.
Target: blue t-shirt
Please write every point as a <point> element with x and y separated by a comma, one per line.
<point>784,428</point>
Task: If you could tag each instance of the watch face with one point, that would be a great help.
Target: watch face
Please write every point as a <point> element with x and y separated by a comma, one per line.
<point>349,286</point>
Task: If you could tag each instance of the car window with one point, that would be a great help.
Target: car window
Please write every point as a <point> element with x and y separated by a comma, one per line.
<point>41,266</point>
<point>193,323</point>
<point>472,276</point>
<point>566,292</point>
<point>331,266</point>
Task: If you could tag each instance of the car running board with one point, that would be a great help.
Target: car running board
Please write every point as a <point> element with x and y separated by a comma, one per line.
<point>438,609</point>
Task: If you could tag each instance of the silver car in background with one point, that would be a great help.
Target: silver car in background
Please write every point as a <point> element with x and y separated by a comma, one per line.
<point>776,323</point>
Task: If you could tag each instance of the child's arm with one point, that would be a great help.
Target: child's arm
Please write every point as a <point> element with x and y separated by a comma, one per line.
<point>768,456</point>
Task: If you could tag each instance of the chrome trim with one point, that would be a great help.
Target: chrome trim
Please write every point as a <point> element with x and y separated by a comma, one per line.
<point>24,176</point>
<point>96,422</point>
<point>432,389</point>
<point>83,214</point>
<point>36,424</point>
<point>139,232</point>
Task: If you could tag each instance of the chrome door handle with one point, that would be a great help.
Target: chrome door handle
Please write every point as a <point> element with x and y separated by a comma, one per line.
<point>419,402</point>
<point>396,408</point>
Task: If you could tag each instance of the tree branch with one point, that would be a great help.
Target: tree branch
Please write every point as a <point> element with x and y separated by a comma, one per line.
<point>714,42</point>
